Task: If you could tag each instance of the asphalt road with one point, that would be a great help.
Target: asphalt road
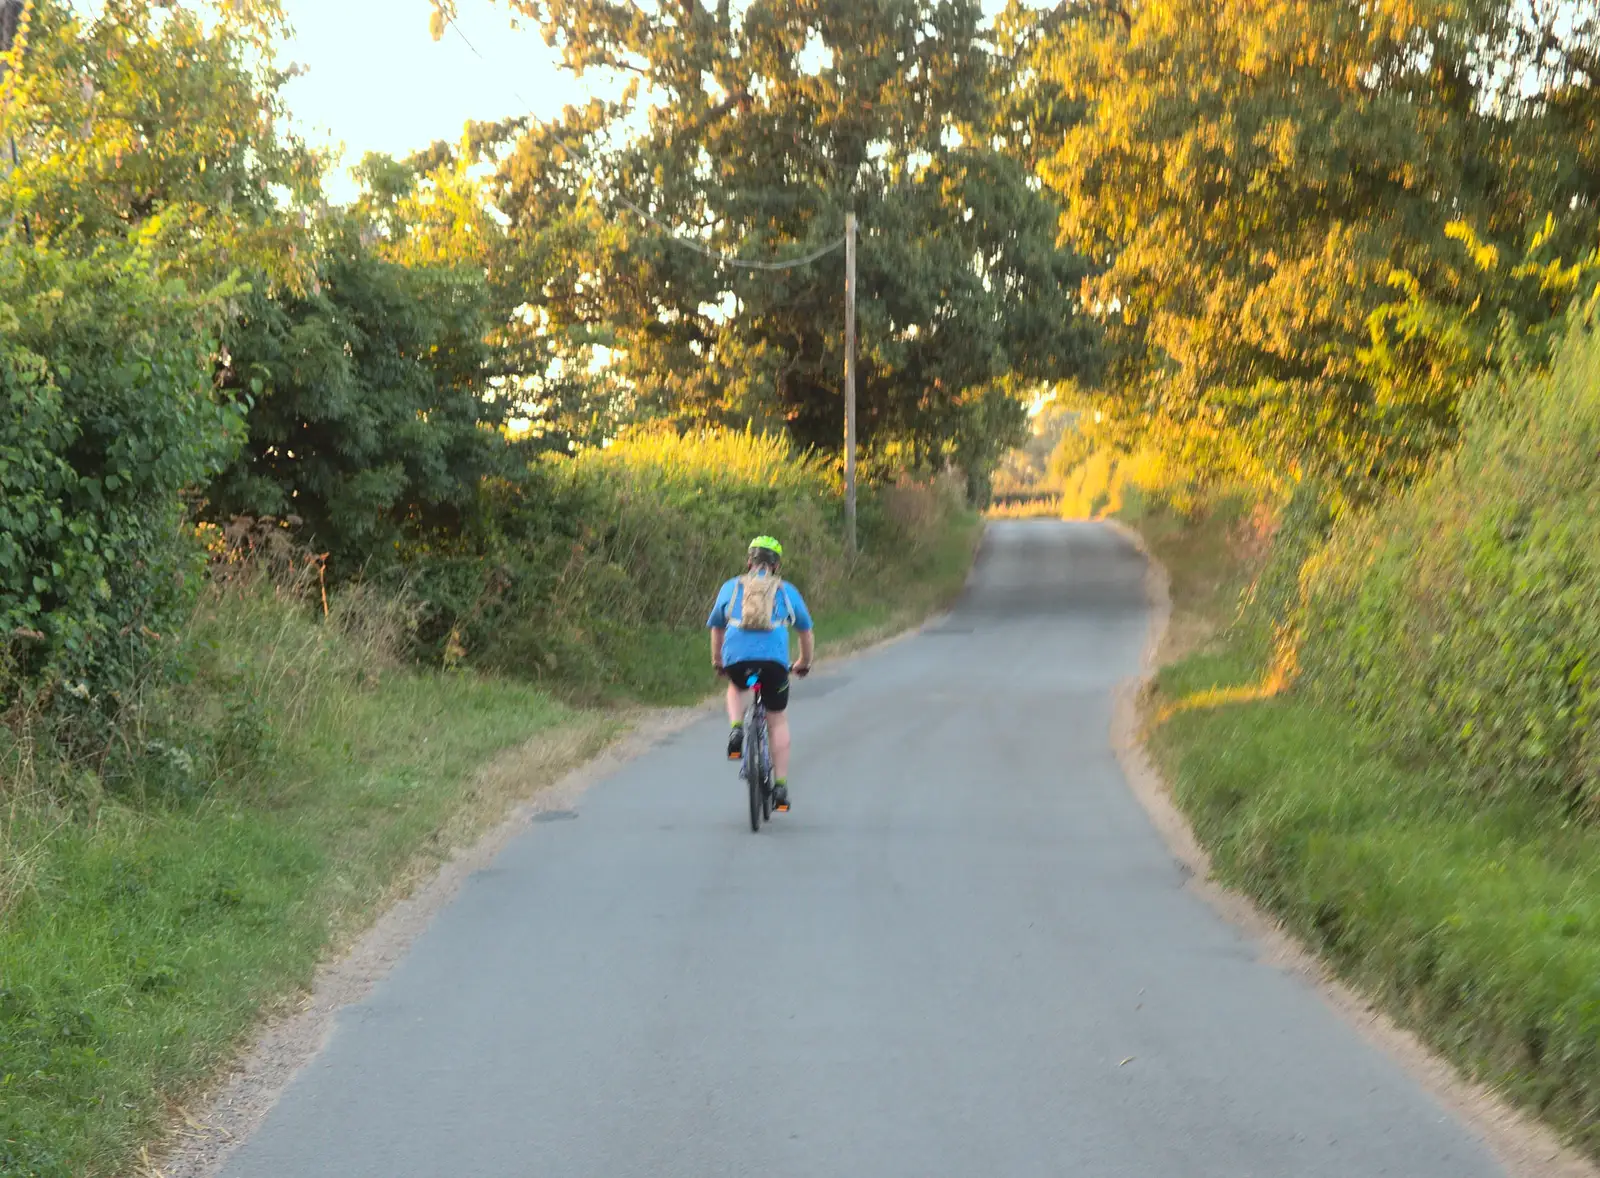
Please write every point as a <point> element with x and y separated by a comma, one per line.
<point>964,953</point>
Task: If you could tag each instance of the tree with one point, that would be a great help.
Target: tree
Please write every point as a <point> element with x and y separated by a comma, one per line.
<point>157,120</point>
<point>750,134</point>
<point>1254,177</point>
<point>434,209</point>
<point>370,419</point>
<point>358,345</point>
<point>142,169</point>
<point>430,209</point>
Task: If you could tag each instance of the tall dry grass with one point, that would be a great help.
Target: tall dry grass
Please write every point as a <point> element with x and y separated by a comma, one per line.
<point>917,511</point>
<point>26,817</point>
<point>1051,508</point>
<point>266,652</point>
<point>691,464</point>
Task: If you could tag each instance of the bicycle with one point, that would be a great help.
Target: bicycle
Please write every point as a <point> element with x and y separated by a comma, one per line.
<point>755,766</point>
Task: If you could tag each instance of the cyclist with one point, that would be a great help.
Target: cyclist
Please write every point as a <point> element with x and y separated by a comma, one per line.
<point>749,627</point>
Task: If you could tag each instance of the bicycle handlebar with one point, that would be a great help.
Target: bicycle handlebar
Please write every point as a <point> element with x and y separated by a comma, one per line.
<point>801,670</point>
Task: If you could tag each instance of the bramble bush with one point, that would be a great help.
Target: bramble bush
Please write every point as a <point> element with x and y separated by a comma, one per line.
<point>1458,618</point>
<point>109,418</point>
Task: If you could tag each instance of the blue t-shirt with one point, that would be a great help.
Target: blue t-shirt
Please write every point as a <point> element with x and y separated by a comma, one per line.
<point>742,646</point>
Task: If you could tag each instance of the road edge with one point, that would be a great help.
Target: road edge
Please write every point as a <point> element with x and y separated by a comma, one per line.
<point>1523,1146</point>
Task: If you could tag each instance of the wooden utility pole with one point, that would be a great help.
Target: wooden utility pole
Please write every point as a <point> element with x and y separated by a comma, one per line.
<point>10,20</point>
<point>850,381</point>
<point>11,14</point>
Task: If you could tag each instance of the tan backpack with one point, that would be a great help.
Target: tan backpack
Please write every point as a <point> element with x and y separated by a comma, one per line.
<point>755,604</point>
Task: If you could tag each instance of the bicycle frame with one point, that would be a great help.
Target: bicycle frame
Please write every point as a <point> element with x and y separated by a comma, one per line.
<point>758,715</point>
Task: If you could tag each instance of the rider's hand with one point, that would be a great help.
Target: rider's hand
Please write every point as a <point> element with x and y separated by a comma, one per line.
<point>802,669</point>
<point>716,665</point>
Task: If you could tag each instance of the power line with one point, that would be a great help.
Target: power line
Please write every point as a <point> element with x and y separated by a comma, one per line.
<point>455,25</point>
<point>717,256</point>
<point>672,234</point>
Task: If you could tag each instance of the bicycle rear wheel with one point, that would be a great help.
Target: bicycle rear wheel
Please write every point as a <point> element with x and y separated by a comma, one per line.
<point>766,768</point>
<point>754,737</point>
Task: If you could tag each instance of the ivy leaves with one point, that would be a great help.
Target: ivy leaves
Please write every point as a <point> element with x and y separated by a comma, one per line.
<point>109,419</point>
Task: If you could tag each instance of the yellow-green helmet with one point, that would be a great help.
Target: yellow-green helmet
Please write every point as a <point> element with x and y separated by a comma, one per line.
<point>767,544</point>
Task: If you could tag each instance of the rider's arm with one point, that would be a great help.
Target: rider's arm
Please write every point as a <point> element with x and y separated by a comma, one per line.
<point>802,626</point>
<point>717,623</point>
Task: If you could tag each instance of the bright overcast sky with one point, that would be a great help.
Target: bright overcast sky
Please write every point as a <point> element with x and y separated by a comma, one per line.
<point>376,80</point>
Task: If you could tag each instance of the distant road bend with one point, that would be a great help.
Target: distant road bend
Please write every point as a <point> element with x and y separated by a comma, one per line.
<point>965,954</point>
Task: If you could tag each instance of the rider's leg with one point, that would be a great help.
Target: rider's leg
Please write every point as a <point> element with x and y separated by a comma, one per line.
<point>737,702</point>
<point>778,730</point>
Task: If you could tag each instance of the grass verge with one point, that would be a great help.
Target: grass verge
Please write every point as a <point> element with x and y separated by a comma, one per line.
<point>151,941</point>
<point>1473,921</point>
<point>152,926</point>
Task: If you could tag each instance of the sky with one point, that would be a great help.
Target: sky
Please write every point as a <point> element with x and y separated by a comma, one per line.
<point>376,81</point>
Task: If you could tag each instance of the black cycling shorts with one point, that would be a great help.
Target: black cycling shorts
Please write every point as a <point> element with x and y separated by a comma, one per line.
<point>774,678</point>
